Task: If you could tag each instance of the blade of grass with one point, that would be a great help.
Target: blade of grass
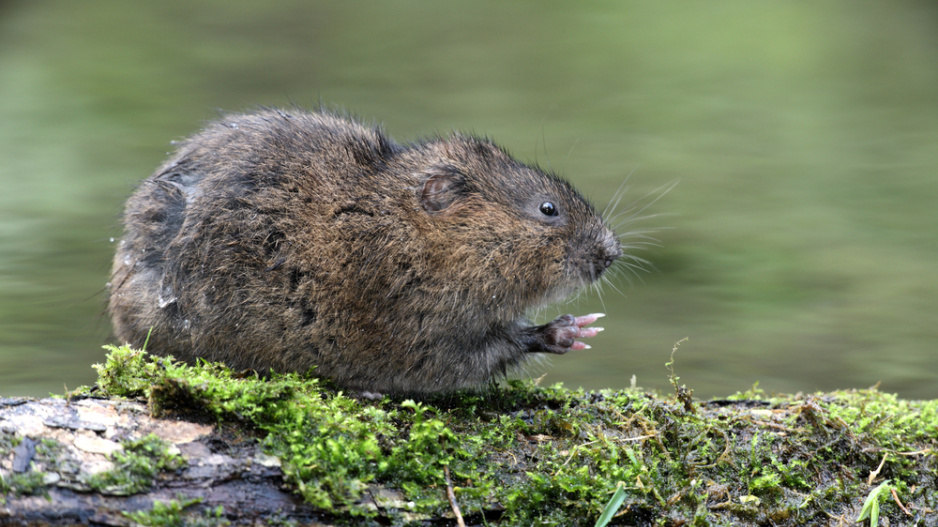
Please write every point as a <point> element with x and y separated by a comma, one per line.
<point>871,505</point>
<point>618,497</point>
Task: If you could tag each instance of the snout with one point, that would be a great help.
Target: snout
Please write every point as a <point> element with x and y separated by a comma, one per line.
<point>611,250</point>
<point>605,252</point>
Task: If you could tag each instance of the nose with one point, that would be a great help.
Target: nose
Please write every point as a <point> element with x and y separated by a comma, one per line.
<point>612,249</point>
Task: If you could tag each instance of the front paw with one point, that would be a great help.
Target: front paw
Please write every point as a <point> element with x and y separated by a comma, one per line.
<point>560,335</point>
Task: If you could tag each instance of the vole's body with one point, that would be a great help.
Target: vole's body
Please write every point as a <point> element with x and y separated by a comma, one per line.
<point>286,240</point>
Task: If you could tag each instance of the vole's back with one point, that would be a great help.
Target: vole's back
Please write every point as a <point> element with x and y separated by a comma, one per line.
<point>283,241</point>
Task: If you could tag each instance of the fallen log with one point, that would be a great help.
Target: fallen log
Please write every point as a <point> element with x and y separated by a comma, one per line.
<point>161,443</point>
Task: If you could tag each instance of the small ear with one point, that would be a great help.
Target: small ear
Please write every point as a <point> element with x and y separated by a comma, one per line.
<point>440,190</point>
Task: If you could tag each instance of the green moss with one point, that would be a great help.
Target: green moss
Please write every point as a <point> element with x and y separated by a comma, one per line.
<point>127,372</point>
<point>19,484</point>
<point>528,455</point>
<point>8,441</point>
<point>24,484</point>
<point>136,466</point>
<point>174,514</point>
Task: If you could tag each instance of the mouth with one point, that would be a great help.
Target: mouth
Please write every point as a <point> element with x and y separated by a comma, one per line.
<point>589,271</point>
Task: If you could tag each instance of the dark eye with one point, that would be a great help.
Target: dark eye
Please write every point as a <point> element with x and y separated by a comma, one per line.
<point>548,209</point>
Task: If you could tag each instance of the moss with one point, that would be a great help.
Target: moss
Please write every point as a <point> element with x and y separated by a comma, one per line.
<point>136,466</point>
<point>19,484</point>
<point>528,455</point>
<point>174,514</point>
<point>127,372</point>
<point>24,484</point>
<point>8,441</point>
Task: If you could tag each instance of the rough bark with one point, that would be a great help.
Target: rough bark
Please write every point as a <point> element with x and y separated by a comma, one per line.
<point>220,469</point>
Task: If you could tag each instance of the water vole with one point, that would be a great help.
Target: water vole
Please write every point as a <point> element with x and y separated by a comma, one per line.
<point>282,240</point>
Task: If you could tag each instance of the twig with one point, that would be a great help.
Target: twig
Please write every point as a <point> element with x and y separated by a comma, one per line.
<point>636,438</point>
<point>452,497</point>
<point>899,503</point>
<point>917,453</point>
<point>573,452</point>
<point>875,473</point>
<point>777,426</point>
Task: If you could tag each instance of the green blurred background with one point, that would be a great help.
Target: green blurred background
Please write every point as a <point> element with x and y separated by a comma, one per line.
<point>800,247</point>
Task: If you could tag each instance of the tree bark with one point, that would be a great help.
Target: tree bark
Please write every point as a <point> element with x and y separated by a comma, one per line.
<point>221,469</point>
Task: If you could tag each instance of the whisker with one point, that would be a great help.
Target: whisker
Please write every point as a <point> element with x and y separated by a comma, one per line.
<point>619,223</point>
<point>614,288</point>
<point>640,236</point>
<point>619,193</point>
<point>599,292</point>
<point>572,147</point>
<point>639,206</point>
<point>635,259</point>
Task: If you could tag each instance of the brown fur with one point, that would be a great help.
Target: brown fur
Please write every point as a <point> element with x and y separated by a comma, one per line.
<point>286,240</point>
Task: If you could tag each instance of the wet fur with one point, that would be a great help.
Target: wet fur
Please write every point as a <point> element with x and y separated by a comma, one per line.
<point>287,240</point>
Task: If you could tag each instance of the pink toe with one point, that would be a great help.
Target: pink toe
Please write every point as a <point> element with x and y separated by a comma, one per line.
<point>586,320</point>
<point>586,333</point>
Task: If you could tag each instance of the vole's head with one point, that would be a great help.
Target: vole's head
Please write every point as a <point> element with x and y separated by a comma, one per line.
<point>531,230</point>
